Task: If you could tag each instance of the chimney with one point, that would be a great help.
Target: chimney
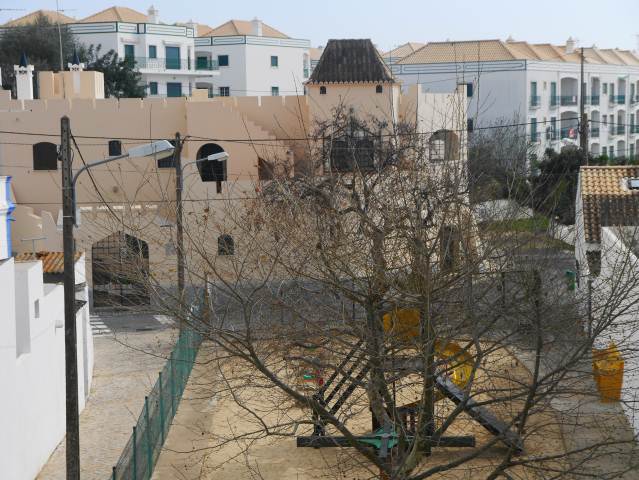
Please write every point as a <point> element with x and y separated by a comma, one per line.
<point>570,45</point>
<point>193,25</point>
<point>256,23</point>
<point>153,15</point>
<point>24,79</point>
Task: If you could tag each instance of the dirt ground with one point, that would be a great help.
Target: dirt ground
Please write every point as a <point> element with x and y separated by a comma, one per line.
<point>213,437</point>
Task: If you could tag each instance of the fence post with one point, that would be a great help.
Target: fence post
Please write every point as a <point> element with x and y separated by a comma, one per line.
<point>149,450</point>
<point>113,474</point>
<point>161,407</point>
<point>172,381</point>
<point>135,453</point>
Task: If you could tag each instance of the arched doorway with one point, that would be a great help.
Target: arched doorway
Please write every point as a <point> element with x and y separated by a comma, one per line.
<point>120,264</point>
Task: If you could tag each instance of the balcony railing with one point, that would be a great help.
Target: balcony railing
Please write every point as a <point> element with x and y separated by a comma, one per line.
<point>594,132</point>
<point>535,100</point>
<point>163,64</point>
<point>568,132</point>
<point>555,100</point>
<point>621,129</point>
<point>535,137</point>
<point>634,128</point>
<point>569,100</point>
<point>634,99</point>
<point>551,135</point>
<point>612,131</point>
<point>618,99</point>
<point>592,100</point>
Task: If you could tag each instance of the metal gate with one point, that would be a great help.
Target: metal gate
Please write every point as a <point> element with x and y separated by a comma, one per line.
<point>120,264</point>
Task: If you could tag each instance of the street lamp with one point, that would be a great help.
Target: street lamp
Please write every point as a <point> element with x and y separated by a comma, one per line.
<point>70,337</point>
<point>206,176</point>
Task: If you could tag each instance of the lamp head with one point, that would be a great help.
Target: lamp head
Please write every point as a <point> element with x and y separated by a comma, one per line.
<point>162,147</point>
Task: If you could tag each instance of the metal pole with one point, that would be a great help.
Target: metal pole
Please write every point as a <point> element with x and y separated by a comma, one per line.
<point>135,453</point>
<point>177,159</point>
<point>583,131</point>
<point>149,448</point>
<point>161,408</point>
<point>70,340</point>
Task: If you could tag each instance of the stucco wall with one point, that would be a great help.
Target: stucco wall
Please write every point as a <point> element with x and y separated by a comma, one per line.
<point>32,405</point>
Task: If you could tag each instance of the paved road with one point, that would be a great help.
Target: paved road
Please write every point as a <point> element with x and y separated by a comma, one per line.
<point>129,353</point>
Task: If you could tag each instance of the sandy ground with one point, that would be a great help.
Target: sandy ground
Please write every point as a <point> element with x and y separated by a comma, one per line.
<point>123,374</point>
<point>213,437</point>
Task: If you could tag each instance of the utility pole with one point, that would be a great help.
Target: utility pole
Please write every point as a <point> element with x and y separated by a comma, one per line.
<point>70,340</point>
<point>583,118</point>
<point>177,160</point>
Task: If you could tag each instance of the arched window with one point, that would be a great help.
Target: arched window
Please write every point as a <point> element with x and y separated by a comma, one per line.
<point>443,145</point>
<point>225,245</point>
<point>379,89</point>
<point>211,171</point>
<point>322,90</point>
<point>115,148</point>
<point>45,156</point>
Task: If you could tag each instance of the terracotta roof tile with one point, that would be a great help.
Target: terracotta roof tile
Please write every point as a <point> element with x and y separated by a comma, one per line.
<point>52,262</point>
<point>117,14</point>
<point>350,61</point>
<point>32,17</point>
<point>403,50</point>
<point>607,200</point>
<point>466,51</point>
<point>242,27</point>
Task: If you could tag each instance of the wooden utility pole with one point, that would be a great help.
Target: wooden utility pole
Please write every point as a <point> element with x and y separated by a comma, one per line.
<point>70,337</point>
<point>177,160</point>
<point>583,118</point>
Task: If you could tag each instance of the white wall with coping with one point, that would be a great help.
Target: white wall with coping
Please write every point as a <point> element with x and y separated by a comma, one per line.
<point>618,282</point>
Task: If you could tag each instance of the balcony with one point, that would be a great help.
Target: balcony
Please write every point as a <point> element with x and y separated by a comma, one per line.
<point>612,131</point>
<point>535,137</point>
<point>617,99</point>
<point>555,100</point>
<point>621,129</point>
<point>551,135</point>
<point>535,100</point>
<point>569,132</point>
<point>567,100</point>
<point>592,100</point>
<point>164,64</point>
<point>634,128</point>
<point>594,132</point>
<point>634,99</point>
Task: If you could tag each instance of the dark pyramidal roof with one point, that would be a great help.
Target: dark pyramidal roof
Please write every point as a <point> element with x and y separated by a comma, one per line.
<point>350,61</point>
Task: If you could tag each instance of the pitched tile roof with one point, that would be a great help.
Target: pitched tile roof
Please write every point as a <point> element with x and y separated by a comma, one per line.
<point>117,14</point>
<point>351,61</point>
<point>496,50</point>
<point>52,262</point>
<point>606,199</point>
<point>32,17</point>
<point>403,50</point>
<point>242,27</point>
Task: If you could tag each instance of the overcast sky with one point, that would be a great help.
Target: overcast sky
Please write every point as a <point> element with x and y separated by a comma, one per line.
<point>390,23</point>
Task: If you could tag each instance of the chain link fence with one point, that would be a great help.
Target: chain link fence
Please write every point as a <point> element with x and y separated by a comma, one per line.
<point>143,448</point>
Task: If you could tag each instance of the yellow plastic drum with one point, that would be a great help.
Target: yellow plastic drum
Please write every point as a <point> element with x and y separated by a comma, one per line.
<point>608,368</point>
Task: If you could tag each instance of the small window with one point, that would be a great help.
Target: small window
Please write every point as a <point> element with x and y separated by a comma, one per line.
<point>173,89</point>
<point>115,148</point>
<point>470,125</point>
<point>633,183</point>
<point>604,88</point>
<point>604,151</point>
<point>275,61</point>
<point>153,51</point>
<point>153,88</point>
<point>322,90</point>
<point>379,89</point>
<point>264,169</point>
<point>275,91</point>
<point>469,90</point>
<point>129,53</point>
<point>224,91</point>
<point>223,60</point>
<point>225,245</point>
<point>45,156</point>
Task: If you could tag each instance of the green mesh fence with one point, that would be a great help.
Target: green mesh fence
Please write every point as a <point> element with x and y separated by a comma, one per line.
<point>143,448</point>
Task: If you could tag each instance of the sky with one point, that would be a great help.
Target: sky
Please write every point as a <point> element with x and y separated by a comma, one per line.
<point>392,23</point>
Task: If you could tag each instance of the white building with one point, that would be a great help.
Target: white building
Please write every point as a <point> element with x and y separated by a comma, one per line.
<point>254,59</point>
<point>32,380</point>
<point>607,259</point>
<point>536,84</point>
<point>164,54</point>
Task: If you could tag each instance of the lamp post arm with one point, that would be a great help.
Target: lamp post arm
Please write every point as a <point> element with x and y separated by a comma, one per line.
<point>85,167</point>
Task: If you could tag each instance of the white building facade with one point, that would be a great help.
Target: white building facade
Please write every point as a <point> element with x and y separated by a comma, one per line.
<point>32,378</point>
<point>537,85</point>
<point>253,60</point>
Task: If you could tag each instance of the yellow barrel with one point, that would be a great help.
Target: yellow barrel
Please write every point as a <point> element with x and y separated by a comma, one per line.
<point>608,368</point>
